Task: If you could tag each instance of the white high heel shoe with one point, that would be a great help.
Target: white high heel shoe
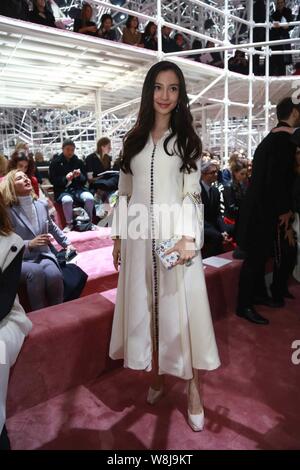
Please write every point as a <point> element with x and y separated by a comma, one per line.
<point>154,395</point>
<point>196,422</point>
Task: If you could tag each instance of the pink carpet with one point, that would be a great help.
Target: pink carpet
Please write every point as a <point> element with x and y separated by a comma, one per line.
<point>66,394</point>
<point>91,240</point>
<point>251,402</point>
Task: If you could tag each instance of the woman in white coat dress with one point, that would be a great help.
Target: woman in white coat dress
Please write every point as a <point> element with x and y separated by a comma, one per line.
<point>162,319</point>
<point>14,325</point>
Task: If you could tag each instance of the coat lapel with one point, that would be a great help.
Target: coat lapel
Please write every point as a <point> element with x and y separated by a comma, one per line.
<point>40,216</point>
<point>22,217</point>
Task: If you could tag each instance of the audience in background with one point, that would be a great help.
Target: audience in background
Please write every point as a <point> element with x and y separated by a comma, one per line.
<point>168,43</point>
<point>105,30</point>
<point>297,68</point>
<point>18,9</point>
<point>84,25</point>
<point>30,219</point>
<point>238,63</point>
<point>212,58</point>
<point>42,14</point>
<point>214,227</point>
<point>234,192</point>
<point>68,175</point>
<point>149,38</point>
<point>131,34</point>
<point>279,31</point>
<point>3,166</point>
<point>22,161</point>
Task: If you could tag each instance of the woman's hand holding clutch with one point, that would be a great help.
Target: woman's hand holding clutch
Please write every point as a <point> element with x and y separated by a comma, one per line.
<point>186,249</point>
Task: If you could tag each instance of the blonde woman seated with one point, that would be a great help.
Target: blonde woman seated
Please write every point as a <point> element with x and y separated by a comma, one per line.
<point>30,220</point>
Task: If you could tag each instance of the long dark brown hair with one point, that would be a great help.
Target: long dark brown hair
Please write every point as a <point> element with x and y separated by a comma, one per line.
<point>5,225</point>
<point>187,144</point>
<point>21,156</point>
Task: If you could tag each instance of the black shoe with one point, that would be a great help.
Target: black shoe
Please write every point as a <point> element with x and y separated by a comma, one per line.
<point>250,314</point>
<point>269,302</point>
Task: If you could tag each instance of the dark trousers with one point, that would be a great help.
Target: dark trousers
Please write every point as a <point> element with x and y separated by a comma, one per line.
<point>252,278</point>
<point>213,242</point>
<point>4,439</point>
<point>283,267</point>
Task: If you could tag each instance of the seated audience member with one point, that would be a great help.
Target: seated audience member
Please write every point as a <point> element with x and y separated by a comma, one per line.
<point>24,162</point>
<point>149,38</point>
<point>99,162</point>
<point>30,220</point>
<point>39,161</point>
<point>297,69</point>
<point>197,44</point>
<point>42,14</point>
<point>214,228</point>
<point>15,9</point>
<point>68,175</point>
<point>3,166</point>
<point>131,34</point>
<point>84,25</point>
<point>180,41</point>
<point>238,63</point>
<point>212,58</point>
<point>234,192</point>
<point>168,43</point>
<point>105,31</point>
<point>14,324</point>
<point>226,176</point>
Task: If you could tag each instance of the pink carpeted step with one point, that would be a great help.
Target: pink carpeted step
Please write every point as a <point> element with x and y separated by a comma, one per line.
<point>98,264</point>
<point>251,401</point>
<point>90,240</point>
<point>67,346</point>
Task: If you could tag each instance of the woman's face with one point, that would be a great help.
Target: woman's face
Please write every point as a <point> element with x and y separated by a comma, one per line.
<point>106,149</point>
<point>88,13</point>
<point>134,23</point>
<point>153,29</point>
<point>22,166</point>
<point>107,24</point>
<point>166,92</point>
<point>241,175</point>
<point>41,4</point>
<point>23,185</point>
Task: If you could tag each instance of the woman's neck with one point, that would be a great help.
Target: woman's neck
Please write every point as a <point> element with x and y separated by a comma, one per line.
<point>161,123</point>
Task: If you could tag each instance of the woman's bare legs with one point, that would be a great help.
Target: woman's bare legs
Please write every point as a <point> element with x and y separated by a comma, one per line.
<point>194,401</point>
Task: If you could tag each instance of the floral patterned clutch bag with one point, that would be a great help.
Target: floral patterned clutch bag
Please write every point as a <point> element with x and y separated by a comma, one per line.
<point>170,260</point>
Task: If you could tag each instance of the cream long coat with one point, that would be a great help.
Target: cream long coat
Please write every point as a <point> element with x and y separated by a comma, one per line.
<point>155,305</point>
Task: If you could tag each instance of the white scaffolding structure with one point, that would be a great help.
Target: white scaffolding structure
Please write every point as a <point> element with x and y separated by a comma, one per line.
<point>84,87</point>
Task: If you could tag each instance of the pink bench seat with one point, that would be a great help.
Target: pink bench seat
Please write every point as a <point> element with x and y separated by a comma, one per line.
<point>90,240</point>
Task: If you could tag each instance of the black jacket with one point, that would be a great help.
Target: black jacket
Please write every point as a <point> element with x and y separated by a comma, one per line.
<point>270,192</point>
<point>34,17</point>
<point>233,195</point>
<point>212,211</point>
<point>60,167</point>
<point>94,164</point>
<point>9,283</point>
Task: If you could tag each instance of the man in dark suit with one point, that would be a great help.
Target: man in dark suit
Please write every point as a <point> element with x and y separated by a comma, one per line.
<point>265,215</point>
<point>214,228</point>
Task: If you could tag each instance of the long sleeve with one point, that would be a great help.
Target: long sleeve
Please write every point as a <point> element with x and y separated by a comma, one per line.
<point>191,218</point>
<point>119,223</point>
<point>9,285</point>
<point>55,178</point>
<point>58,234</point>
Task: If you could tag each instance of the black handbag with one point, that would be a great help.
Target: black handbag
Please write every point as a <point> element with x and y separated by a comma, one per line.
<point>73,276</point>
